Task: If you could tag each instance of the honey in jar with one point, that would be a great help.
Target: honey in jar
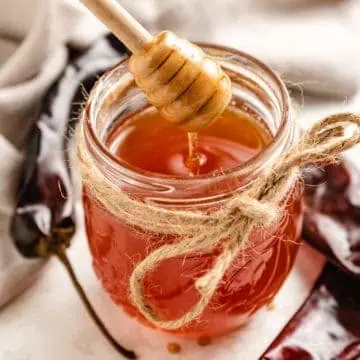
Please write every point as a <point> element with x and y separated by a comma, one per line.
<point>146,157</point>
<point>150,143</point>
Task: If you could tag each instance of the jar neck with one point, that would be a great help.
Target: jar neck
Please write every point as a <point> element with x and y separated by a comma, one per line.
<point>255,88</point>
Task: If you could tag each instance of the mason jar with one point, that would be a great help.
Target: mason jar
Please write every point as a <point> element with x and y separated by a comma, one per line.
<point>256,275</point>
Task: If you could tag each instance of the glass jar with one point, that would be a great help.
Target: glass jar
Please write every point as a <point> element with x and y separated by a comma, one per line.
<point>257,274</point>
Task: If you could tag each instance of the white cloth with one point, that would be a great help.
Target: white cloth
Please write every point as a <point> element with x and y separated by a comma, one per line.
<point>32,54</point>
<point>314,47</point>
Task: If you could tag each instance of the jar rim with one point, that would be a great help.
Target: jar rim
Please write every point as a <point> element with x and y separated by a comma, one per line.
<point>145,175</point>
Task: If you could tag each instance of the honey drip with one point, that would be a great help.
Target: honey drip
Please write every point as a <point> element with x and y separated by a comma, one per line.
<point>193,160</point>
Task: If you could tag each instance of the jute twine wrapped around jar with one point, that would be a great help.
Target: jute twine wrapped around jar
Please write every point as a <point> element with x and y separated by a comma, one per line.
<point>259,205</point>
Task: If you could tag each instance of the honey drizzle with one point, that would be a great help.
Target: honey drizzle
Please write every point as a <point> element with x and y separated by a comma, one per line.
<point>193,161</point>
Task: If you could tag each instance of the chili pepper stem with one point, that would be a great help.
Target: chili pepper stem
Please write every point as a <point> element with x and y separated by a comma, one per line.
<point>62,256</point>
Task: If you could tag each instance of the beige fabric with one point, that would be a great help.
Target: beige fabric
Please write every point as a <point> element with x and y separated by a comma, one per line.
<point>32,54</point>
<point>311,43</point>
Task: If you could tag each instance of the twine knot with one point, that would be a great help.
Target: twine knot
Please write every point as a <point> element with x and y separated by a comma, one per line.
<point>263,213</point>
<point>228,228</point>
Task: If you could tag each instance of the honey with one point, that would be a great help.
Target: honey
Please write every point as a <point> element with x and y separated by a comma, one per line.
<point>148,144</point>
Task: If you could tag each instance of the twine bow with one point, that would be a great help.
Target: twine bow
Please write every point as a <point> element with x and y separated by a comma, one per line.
<point>229,227</point>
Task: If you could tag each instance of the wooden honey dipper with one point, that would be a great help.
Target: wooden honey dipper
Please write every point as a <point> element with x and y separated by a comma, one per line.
<point>187,86</point>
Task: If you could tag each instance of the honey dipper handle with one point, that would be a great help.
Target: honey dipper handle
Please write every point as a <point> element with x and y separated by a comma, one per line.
<point>120,23</point>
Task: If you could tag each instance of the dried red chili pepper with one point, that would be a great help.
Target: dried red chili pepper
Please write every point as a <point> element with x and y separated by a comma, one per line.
<point>332,214</point>
<point>43,223</point>
<point>328,325</point>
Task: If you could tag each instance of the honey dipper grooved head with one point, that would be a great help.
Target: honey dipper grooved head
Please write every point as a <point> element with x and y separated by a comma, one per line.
<point>185,84</point>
